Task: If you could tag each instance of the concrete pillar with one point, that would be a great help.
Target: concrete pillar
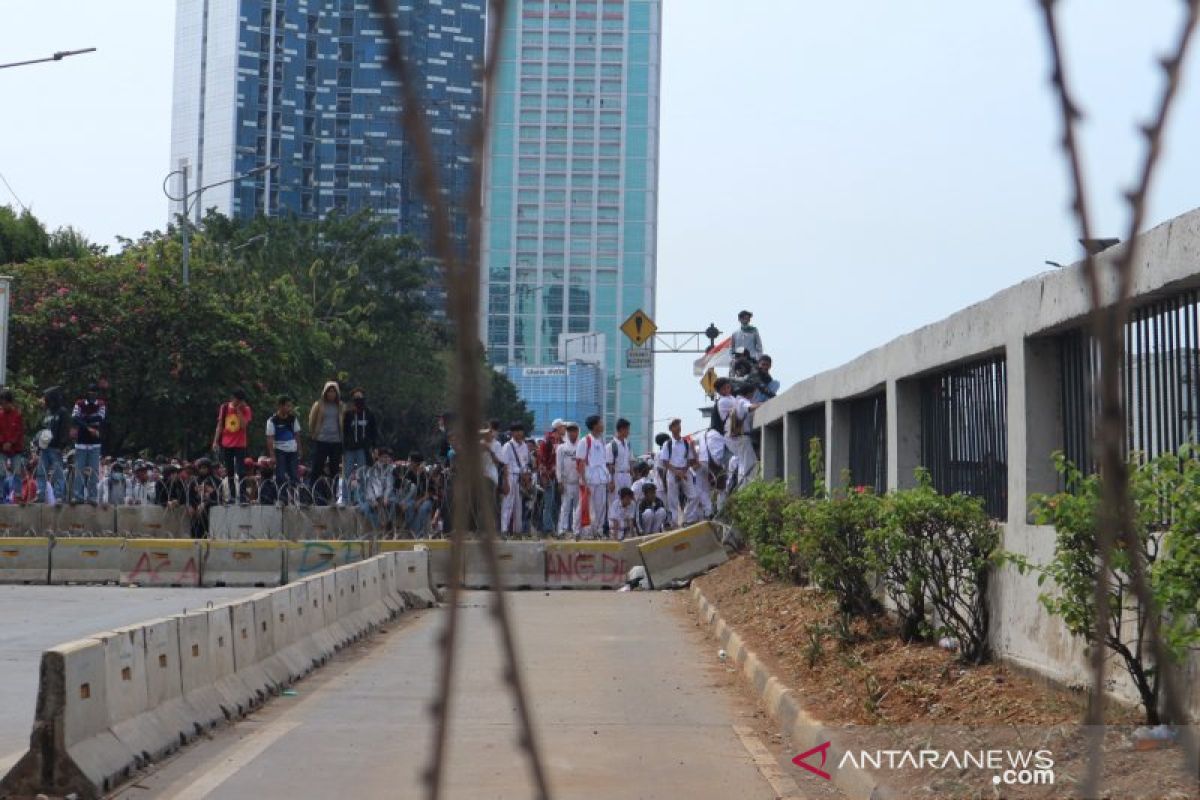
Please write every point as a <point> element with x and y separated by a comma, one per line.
<point>903,432</point>
<point>793,450</point>
<point>772,451</point>
<point>837,442</point>
<point>1035,420</point>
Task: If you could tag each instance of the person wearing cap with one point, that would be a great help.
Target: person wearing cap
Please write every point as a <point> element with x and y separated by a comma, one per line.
<point>591,460</point>
<point>141,488</point>
<point>568,515</point>
<point>747,336</point>
<point>88,416</point>
<point>230,438</point>
<point>515,458</point>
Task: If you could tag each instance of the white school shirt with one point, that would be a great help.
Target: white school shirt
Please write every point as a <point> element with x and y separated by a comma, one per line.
<point>564,462</point>
<point>711,448</point>
<point>516,458</point>
<point>490,470</point>
<point>591,452</point>
<point>675,453</point>
<point>619,455</point>
<point>621,517</point>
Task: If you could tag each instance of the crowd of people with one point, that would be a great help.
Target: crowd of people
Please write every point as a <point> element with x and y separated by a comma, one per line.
<point>572,482</point>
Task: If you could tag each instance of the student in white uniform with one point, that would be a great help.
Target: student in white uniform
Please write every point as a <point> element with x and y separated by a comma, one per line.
<point>710,455</point>
<point>568,475</point>
<point>622,514</point>
<point>734,415</point>
<point>591,459</point>
<point>652,514</point>
<point>515,457</point>
<point>676,459</point>
<point>622,458</point>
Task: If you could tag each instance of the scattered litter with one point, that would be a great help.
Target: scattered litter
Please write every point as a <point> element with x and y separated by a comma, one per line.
<point>947,643</point>
<point>636,579</point>
<point>289,693</point>
<point>721,654</point>
<point>1152,738</point>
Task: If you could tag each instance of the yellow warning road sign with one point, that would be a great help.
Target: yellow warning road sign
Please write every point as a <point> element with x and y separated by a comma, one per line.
<point>709,382</point>
<point>639,328</point>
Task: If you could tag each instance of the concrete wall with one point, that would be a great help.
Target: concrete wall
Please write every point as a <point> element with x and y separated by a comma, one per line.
<point>1018,323</point>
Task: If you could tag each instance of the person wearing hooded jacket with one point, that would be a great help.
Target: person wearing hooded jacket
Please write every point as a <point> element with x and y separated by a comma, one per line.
<point>53,438</point>
<point>325,430</point>
<point>358,438</point>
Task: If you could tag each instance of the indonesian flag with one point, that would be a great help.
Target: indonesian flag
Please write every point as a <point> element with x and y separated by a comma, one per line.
<point>719,356</point>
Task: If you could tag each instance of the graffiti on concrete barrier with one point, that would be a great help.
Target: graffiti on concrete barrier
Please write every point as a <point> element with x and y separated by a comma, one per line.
<point>157,568</point>
<point>586,568</point>
<point>319,556</point>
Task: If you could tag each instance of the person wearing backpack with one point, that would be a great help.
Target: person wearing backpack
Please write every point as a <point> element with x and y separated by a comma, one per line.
<point>230,439</point>
<point>52,439</point>
<point>733,414</point>
<point>676,458</point>
<point>591,460</point>
<point>622,458</point>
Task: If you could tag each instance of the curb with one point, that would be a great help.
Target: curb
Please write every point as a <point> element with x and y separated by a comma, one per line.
<point>783,706</point>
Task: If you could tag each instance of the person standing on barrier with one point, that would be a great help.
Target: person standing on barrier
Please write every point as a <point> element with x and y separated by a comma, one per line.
<point>229,440</point>
<point>52,440</point>
<point>568,515</point>
<point>358,437</point>
<point>710,457</point>
<point>88,416</point>
<point>549,477</point>
<point>677,457</point>
<point>12,438</point>
<point>622,458</point>
<point>591,459</point>
<point>283,445</point>
<point>733,412</point>
<point>325,431</point>
<point>515,457</point>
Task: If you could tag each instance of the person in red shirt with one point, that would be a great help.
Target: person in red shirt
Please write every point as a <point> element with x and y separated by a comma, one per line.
<point>12,437</point>
<point>230,439</point>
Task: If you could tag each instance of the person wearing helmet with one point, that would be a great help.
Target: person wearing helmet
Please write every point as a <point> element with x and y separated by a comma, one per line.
<point>52,439</point>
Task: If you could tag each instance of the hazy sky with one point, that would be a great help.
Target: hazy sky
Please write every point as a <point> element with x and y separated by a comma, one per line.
<point>849,171</point>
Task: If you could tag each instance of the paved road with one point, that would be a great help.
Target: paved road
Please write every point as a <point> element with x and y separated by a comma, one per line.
<point>629,703</point>
<point>38,617</point>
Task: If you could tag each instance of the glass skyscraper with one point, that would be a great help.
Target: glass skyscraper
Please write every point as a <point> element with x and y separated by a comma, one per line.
<point>571,193</point>
<point>303,83</point>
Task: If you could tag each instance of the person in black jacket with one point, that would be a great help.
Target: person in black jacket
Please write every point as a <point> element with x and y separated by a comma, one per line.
<point>358,438</point>
<point>52,439</point>
<point>203,492</point>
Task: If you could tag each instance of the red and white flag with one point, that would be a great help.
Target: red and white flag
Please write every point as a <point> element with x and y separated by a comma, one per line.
<point>716,358</point>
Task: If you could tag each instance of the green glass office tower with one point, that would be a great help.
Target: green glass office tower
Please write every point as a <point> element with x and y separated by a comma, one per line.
<point>571,194</point>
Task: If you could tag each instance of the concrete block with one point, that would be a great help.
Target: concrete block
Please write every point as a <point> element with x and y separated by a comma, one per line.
<point>314,616</point>
<point>286,634</point>
<point>197,676</point>
<point>153,522</point>
<point>349,600</point>
<point>238,696</point>
<point>304,625</point>
<point>245,522</point>
<point>371,580</point>
<point>161,562</point>
<point>414,578</point>
<point>20,520</point>
<point>246,653</point>
<point>304,523</point>
<point>682,555</point>
<point>440,562</point>
<point>127,691</point>
<point>522,565</point>
<point>265,623</point>
<point>244,563</point>
<point>164,680</point>
<point>590,565</point>
<point>25,559</point>
<point>72,750</point>
<point>79,520</point>
<point>86,560</point>
<point>389,576</point>
<point>309,558</point>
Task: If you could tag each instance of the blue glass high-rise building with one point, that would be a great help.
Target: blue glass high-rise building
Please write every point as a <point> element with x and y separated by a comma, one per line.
<point>304,84</point>
<point>571,192</point>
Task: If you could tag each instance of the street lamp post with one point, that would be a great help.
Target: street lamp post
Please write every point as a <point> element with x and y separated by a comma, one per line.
<point>186,198</point>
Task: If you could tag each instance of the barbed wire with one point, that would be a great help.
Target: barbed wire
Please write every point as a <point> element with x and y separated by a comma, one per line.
<point>1109,317</point>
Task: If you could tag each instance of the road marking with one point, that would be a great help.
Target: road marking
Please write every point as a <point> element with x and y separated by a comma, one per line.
<point>785,788</point>
<point>250,748</point>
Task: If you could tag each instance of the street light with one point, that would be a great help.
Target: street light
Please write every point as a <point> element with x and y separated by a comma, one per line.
<point>186,199</point>
<point>58,56</point>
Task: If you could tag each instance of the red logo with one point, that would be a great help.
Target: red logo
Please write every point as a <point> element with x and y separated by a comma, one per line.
<point>823,749</point>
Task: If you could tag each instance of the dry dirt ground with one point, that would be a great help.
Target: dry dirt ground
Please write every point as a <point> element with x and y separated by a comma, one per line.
<point>881,693</point>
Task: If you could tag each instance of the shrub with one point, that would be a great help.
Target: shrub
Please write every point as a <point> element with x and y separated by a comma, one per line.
<point>757,510</point>
<point>832,542</point>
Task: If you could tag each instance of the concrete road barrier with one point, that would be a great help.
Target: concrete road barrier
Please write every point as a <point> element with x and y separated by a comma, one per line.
<point>20,520</point>
<point>130,715</point>
<point>25,559</point>
<point>86,560</point>
<point>79,520</point>
<point>320,522</point>
<point>682,555</point>
<point>153,522</point>
<point>245,522</point>
<point>522,565</point>
<point>244,563</point>
<point>590,565</point>
<point>161,562</point>
<point>305,559</point>
<point>414,577</point>
<point>439,555</point>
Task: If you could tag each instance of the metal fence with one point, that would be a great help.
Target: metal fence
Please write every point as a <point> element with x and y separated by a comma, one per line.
<point>868,442</point>
<point>811,424</point>
<point>964,432</point>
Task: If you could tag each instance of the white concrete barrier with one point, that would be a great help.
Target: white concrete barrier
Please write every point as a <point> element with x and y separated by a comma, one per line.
<point>25,559</point>
<point>79,520</point>
<point>86,560</point>
<point>130,716</point>
<point>414,577</point>
<point>153,522</point>
<point>20,520</point>
<point>682,555</point>
<point>522,565</point>
<point>439,555</point>
<point>305,559</point>
<point>244,563</point>
<point>246,653</point>
<point>303,523</point>
<point>196,672</point>
<point>161,562</point>
<point>245,522</point>
<point>590,565</point>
